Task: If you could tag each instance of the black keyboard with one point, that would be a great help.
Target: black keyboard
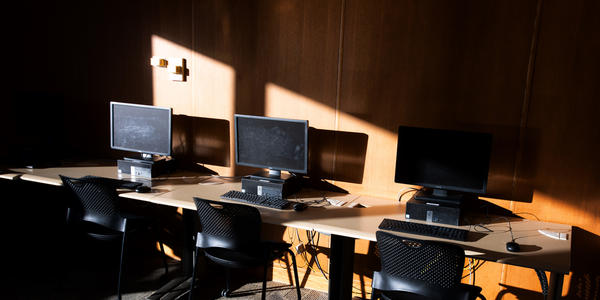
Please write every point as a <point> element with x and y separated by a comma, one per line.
<point>118,183</point>
<point>424,229</point>
<point>266,201</point>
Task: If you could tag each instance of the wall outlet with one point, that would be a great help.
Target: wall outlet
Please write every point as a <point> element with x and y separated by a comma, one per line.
<point>300,248</point>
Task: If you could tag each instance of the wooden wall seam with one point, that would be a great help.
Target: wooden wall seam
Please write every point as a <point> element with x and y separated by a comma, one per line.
<point>526,97</point>
<point>338,83</point>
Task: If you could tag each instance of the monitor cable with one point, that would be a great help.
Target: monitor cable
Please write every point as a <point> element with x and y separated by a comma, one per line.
<point>405,191</point>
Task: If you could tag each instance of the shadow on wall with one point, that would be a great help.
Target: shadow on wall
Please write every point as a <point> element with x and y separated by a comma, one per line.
<point>508,155</point>
<point>38,138</point>
<point>199,140</point>
<point>350,150</point>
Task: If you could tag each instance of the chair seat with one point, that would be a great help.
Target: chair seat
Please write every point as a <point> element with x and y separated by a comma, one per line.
<point>230,237</point>
<point>96,207</point>
<point>265,251</point>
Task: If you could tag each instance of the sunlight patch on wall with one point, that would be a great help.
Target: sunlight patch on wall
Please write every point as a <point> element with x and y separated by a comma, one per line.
<point>283,103</point>
<point>380,160</point>
<point>166,92</point>
<point>210,87</point>
<point>209,91</point>
<point>556,210</point>
<point>381,147</point>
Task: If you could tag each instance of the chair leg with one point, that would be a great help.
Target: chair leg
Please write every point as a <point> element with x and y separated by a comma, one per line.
<point>227,292</point>
<point>374,294</point>
<point>121,265</point>
<point>196,258</point>
<point>164,258</point>
<point>264,285</point>
<point>295,272</point>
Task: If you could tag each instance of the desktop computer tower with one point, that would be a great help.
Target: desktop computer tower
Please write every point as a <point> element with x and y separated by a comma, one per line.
<point>436,212</point>
<point>270,186</point>
<point>144,168</point>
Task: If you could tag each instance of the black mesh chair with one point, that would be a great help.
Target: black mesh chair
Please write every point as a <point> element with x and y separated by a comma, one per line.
<point>230,237</point>
<point>99,211</point>
<point>415,269</point>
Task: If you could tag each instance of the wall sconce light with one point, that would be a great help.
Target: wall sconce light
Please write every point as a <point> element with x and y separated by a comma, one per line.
<point>176,68</point>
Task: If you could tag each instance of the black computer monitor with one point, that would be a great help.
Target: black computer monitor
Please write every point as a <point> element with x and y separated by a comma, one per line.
<point>449,163</point>
<point>140,128</point>
<point>271,143</point>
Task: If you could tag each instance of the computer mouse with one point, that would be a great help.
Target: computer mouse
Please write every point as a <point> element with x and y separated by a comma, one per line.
<point>300,206</point>
<point>143,189</point>
<point>513,246</point>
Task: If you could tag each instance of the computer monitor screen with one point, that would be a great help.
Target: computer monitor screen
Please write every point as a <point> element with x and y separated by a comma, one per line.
<point>140,128</point>
<point>443,159</point>
<point>276,144</point>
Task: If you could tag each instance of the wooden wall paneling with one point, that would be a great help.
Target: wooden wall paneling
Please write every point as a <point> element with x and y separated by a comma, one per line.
<point>225,31</point>
<point>430,64</point>
<point>107,45</point>
<point>563,112</point>
<point>216,38</point>
<point>86,55</point>
<point>296,67</point>
<point>25,75</point>
<point>297,53</point>
<point>171,37</point>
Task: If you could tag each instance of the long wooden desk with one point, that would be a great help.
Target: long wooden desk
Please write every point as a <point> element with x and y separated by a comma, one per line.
<point>345,224</point>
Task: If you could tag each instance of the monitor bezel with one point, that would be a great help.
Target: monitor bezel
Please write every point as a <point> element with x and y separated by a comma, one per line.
<point>453,188</point>
<point>238,162</point>
<point>112,144</point>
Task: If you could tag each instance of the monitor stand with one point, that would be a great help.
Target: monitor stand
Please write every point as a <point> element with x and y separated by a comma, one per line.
<point>439,196</point>
<point>272,183</point>
<point>274,175</point>
<point>148,158</point>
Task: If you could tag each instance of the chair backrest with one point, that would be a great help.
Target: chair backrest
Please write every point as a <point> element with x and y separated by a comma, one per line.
<point>437,263</point>
<point>98,199</point>
<point>227,225</point>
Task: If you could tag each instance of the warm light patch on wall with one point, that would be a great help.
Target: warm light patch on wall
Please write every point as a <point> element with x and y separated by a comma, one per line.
<point>378,176</point>
<point>210,87</point>
<point>553,210</point>
<point>166,92</point>
<point>208,92</point>
<point>283,103</point>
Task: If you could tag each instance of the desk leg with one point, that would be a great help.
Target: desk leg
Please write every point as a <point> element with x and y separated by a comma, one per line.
<point>178,287</point>
<point>341,263</point>
<point>187,255</point>
<point>555,285</point>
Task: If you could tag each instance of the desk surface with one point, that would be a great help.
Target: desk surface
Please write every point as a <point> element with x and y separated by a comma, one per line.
<point>537,250</point>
